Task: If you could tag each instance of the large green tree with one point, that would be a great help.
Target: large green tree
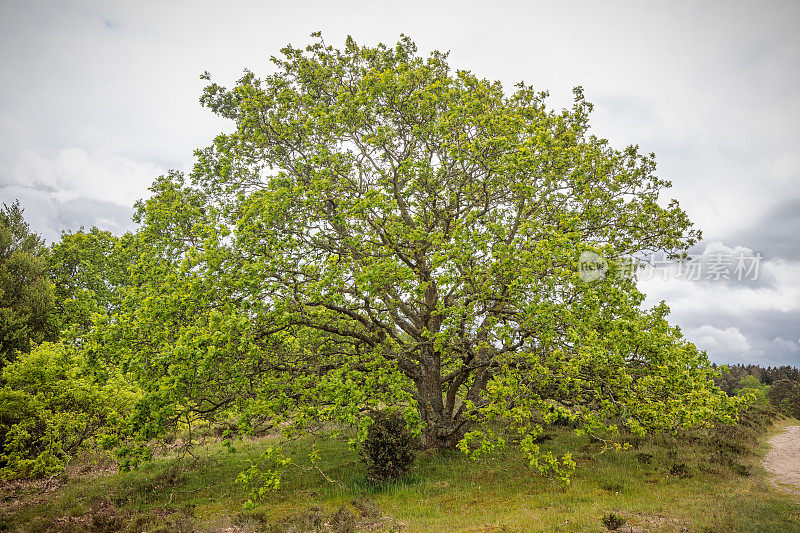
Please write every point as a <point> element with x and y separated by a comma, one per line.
<point>380,229</point>
<point>27,296</point>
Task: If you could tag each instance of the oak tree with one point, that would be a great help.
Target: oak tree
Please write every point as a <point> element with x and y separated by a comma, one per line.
<point>380,229</point>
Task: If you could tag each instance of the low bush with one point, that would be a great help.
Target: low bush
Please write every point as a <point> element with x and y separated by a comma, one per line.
<point>612,521</point>
<point>51,404</point>
<point>388,450</point>
<point>680,470</point>
<point>644,458</point>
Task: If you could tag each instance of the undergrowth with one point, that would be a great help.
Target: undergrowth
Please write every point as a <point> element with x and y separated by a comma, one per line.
<point>703,480</point>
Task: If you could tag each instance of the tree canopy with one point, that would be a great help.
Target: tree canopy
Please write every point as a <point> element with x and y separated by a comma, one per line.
<point>88,269</point>
<point>381,230</point>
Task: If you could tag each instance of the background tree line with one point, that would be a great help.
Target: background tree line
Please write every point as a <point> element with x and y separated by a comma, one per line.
<point>779,385</point>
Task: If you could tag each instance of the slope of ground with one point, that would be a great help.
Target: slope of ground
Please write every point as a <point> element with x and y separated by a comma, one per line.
<point>697,481</point>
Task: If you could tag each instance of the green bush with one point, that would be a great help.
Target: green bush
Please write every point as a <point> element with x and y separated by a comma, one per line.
<point>51,404</point>
<point>388,450</point>
<point>644,458</point>
<point>612,521</point>
<point>680,470</point>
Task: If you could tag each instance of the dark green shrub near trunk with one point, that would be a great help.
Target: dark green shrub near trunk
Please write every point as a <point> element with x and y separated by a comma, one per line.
<point>388,450</point>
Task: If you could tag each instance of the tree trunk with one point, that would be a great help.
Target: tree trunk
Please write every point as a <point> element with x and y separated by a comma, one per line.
<point>441,429</point>
<point>444,435</point>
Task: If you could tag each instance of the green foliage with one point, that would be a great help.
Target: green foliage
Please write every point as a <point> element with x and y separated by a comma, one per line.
<point>17,234</point>
<point>51,405</point>
<point>57,397</point>
<point>89,270</point>
<point>27,296</point>
<point>750,385</point>
<point>382,230</point>
<point>388,449</point>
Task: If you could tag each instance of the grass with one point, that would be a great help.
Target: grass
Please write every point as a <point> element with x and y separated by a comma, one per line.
<point>701,481</point>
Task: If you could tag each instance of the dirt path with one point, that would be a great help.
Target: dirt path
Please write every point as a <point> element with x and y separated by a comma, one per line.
<point>783,460</point>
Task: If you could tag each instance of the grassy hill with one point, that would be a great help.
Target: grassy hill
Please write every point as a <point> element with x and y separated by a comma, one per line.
<point>708,480</point>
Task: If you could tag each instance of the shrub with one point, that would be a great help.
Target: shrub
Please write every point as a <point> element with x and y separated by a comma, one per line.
<point>613,521</point>
<point>343,521</point>
<point>50,405</point>
<point>388,450</point>
<point>612,486</point>
<point>751,385</point>
<point>739,438</point>
<point>312,519</point>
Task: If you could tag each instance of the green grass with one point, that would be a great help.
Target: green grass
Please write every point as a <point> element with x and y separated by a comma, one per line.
<point>703,481</point>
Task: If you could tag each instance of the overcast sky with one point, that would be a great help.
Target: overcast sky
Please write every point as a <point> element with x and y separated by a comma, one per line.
<point>99,98</point>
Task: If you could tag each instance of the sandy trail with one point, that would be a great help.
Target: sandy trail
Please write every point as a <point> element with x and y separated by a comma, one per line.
<point>783,460</point>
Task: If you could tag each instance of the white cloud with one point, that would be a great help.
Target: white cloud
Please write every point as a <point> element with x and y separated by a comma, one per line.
<point>782,344</point>
<point>73,173</point>
<point>777,286</point>
<point>719,342</point>
<point>693,299</point>
<point>725,316</point>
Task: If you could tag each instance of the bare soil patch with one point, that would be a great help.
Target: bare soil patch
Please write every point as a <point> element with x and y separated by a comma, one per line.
<point>783,460</point>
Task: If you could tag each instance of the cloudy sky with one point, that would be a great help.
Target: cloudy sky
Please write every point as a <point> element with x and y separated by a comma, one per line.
<point>99,98</point>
